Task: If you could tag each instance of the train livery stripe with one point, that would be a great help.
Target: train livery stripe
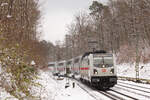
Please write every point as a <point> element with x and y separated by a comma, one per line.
<point>84,68</point>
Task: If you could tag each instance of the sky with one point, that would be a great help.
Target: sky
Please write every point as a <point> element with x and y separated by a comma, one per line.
<point>58,14</point>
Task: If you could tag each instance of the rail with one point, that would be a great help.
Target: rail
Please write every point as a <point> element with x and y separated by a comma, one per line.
<point>141,80</point>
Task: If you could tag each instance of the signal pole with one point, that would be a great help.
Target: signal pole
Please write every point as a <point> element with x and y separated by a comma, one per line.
<point>136,33</point>
<point>137,57</point>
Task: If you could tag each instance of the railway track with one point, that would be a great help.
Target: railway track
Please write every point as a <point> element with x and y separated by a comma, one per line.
<point>133,88</point>
<point>129,97</point>
<point>116,93</point>
<point>132,91</point>
<point>134,85</point>
<point>110,94</point>
<point>134,79</point>
<point>94,96</point>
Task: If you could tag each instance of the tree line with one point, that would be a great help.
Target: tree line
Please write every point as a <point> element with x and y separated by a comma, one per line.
<point>19,22</point>
<point>120,26</point>
<point>20,44</point>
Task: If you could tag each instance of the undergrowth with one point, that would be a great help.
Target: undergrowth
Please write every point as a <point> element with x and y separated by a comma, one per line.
<point>17,75</point>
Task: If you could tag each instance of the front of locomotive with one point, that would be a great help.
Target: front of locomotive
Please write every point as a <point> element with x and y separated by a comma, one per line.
<point>103,73</point>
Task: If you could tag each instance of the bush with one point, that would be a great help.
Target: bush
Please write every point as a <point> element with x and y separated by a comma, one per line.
<point>16,74</point>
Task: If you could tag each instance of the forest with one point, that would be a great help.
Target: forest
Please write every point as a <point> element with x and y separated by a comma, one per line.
<point>20,44</point>
<point>19,24</point>
<point>121,27</point>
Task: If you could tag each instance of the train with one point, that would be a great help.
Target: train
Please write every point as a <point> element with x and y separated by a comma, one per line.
<point>95,68</point>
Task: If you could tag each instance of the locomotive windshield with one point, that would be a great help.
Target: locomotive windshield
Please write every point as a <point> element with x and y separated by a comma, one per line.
<point>102,62</point>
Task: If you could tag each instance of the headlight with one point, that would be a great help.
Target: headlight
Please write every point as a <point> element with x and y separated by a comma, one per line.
<point>112,71</point>
<point>103,66</point>
<point>95,71</point>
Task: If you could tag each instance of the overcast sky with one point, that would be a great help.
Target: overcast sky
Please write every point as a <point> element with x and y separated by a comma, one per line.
<point>57,14</point>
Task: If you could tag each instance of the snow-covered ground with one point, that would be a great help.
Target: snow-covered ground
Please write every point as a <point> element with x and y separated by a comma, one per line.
<point>71,93</point>
<point>128,70</point>
<point>53,89</point>
<point>5,96</point>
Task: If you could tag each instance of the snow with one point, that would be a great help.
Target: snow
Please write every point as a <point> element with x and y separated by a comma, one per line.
<point>48,88</point>
<point>130,93</point>
<point>32,62</point>
<point>4,95</point>
<point>138,84</point>
<point>126,98</point>
<point>4,4</point>
<point>133,92</point>
<point>71,93</point>
<point>53,88</point>
<point>128,70</point>
<point>97,95</point>
<point>9,16</point>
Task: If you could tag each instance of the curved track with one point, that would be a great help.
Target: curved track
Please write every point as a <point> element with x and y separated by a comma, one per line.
<point>133,88</point>
<point>131,91</point>
<point>124,94</point>
<point>116,93</point>
<point>134,85</point>
<point>111,94</point>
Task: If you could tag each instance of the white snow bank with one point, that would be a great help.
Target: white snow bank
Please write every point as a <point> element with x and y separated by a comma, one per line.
<point>54,89</point>
<point>5,95</point>
<point>48,88</point>
<point>71,93</point>
<point>128,70</point>
<point>4,4</point>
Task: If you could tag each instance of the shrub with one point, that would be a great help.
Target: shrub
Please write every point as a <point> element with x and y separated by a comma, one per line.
<point>17,75</point>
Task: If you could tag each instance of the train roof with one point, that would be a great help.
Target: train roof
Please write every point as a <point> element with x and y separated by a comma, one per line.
<point>51,63</point>
<point>78,57</point>
<point>64,61</point>
<point>95,52</point>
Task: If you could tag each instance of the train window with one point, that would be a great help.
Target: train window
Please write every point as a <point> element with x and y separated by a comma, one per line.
<point>51,65</point>
<point>103,62</point>
<point>88,62</point>
<point>85,62</point>
<point>98,62</point>
<point>61,64</point>
<point>76,61</point>
<point>108,61</point>
<point>69,63</point>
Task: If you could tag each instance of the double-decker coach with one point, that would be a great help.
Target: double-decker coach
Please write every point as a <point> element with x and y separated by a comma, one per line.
<point>69,66</point>
<point>61,67</point>
<point>51,66</point>
<point>76,65</point>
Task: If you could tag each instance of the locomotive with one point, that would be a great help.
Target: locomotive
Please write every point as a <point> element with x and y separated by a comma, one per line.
<point>96,68</point>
